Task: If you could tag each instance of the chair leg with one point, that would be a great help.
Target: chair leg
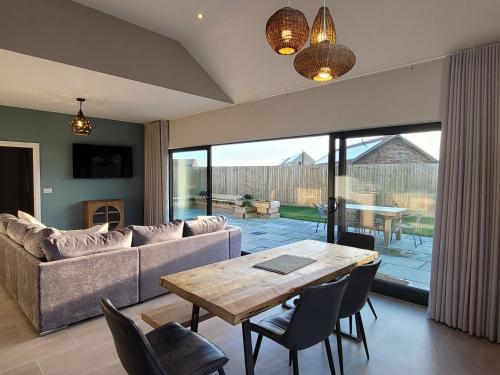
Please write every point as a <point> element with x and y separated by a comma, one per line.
<point>289,358</point>
<point>295,360</point>
<point>330,356</point>
<point>371,308</point>
<point>221,371</point>
<point>339,348</point>
<point>359,323</point>
<point>324,225</point>
<point>350,325</point>
<point>257,348</point>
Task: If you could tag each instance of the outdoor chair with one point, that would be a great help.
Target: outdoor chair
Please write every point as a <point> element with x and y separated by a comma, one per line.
<point>322,215</point>
<point>412,227</point>
<point>353,220</point>
<point>310,323</point>
<point>168,350</point>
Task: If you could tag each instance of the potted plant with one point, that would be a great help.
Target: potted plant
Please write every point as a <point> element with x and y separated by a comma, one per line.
<point>244,207</point>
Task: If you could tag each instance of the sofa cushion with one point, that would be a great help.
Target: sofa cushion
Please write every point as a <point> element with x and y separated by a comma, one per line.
<point>29,218</point>
<point>4,220</point>
<point>203,226</point>
<point>144,235</point>
<point>73,246</point>
<point>99,228</point>
<point>17,230</point>
<point>35,236</point>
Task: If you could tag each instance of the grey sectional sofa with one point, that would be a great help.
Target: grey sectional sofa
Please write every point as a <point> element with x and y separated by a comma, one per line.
<point>57,293</point>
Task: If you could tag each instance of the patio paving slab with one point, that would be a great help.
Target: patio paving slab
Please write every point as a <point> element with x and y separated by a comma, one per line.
<point>401,259</point>
<point>406,273</point>
<point>426,267</point>
<point>404,262</point>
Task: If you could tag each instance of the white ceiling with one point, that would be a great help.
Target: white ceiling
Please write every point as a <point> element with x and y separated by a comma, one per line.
<point>230,41</point>
<point>31,82</point>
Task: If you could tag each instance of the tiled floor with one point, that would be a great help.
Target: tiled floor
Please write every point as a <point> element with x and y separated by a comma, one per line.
<point>402,341</point>
<point>401,260</point>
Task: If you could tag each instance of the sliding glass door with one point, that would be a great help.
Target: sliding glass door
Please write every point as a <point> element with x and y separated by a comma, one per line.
<point>380,182</point>
<point>385,186</point>
<point>190,187</point>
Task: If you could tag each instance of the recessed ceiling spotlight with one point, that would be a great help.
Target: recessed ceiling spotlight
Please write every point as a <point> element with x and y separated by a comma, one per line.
<point>200,16</point>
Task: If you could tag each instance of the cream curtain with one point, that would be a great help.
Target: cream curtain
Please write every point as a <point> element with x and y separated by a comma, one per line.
<point>465,281</point>
<point>156,173</point>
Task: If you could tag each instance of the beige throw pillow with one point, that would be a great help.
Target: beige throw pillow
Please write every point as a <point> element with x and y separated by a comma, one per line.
<point>100,228</point>
<point>30,219</point>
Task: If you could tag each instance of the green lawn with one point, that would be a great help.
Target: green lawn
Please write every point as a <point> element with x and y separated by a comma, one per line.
<point>299,213</point>
<point>311,214</point>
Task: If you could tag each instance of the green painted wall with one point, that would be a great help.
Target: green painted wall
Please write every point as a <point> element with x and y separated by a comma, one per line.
<point>63,208</point>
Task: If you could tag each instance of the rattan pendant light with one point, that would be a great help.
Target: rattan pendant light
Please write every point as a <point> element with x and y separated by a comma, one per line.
<point>324,59</point>
<point>287,31</point>
<point>323,27</point>
<point>80,125</point>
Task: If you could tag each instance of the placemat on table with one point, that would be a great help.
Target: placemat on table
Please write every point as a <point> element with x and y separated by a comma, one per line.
<point>284,264</point>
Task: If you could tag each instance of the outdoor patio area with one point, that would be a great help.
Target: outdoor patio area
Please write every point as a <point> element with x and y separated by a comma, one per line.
<point>402,262</point>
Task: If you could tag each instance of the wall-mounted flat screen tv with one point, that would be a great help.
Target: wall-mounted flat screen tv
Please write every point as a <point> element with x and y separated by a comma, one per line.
<point>97,161</point>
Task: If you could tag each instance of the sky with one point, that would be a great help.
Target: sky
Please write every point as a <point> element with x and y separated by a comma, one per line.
<point>274,152</point>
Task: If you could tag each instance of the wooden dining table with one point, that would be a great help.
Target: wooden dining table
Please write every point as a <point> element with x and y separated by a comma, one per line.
<point>235,291</point>
<point>389,214</point>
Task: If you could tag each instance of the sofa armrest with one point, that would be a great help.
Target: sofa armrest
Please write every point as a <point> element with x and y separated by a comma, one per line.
<point>28,296</point>
<point>234,241</point>
<point>71,289</point>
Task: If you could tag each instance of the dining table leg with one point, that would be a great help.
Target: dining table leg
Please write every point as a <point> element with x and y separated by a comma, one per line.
<point>195,318</point>
<point>247,348</point>
<point>387,229</point>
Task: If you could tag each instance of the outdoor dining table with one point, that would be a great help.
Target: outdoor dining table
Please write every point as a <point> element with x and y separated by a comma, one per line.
<point>389,214</point>
<point>235,291</point>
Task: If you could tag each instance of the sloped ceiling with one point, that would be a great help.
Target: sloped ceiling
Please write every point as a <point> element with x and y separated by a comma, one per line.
<point>230,42</point>
<point>229,50</point>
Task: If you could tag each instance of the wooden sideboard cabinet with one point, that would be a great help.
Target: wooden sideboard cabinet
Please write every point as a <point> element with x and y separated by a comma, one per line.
<point>110,211</point>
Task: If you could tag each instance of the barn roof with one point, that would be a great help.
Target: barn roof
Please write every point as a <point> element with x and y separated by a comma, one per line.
<point>360,150</point>
<point>354,150</point>
<point>294,157</point>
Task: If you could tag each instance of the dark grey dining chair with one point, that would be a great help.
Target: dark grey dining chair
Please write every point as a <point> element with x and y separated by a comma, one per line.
<point>168,350</point>
<point>354,300</point>
<point>308,324</point>
<point>361,241</point>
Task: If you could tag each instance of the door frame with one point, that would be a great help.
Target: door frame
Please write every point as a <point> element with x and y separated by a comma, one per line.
<point>171,180</point>
<point>35,147</point>
<point>402,292</point>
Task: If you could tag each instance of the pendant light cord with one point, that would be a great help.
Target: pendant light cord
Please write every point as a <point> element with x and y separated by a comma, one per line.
<point>324,18</point>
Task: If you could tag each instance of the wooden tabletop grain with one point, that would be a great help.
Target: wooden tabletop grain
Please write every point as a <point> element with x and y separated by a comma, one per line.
<point>235,291</point>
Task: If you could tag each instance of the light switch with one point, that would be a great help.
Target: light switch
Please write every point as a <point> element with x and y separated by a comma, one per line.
<point>47,190</point>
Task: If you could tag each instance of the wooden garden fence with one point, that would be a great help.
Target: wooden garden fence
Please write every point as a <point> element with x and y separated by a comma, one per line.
<point>412,186</point>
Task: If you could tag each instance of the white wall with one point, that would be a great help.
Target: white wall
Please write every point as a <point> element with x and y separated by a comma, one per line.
<point>401,96</point>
